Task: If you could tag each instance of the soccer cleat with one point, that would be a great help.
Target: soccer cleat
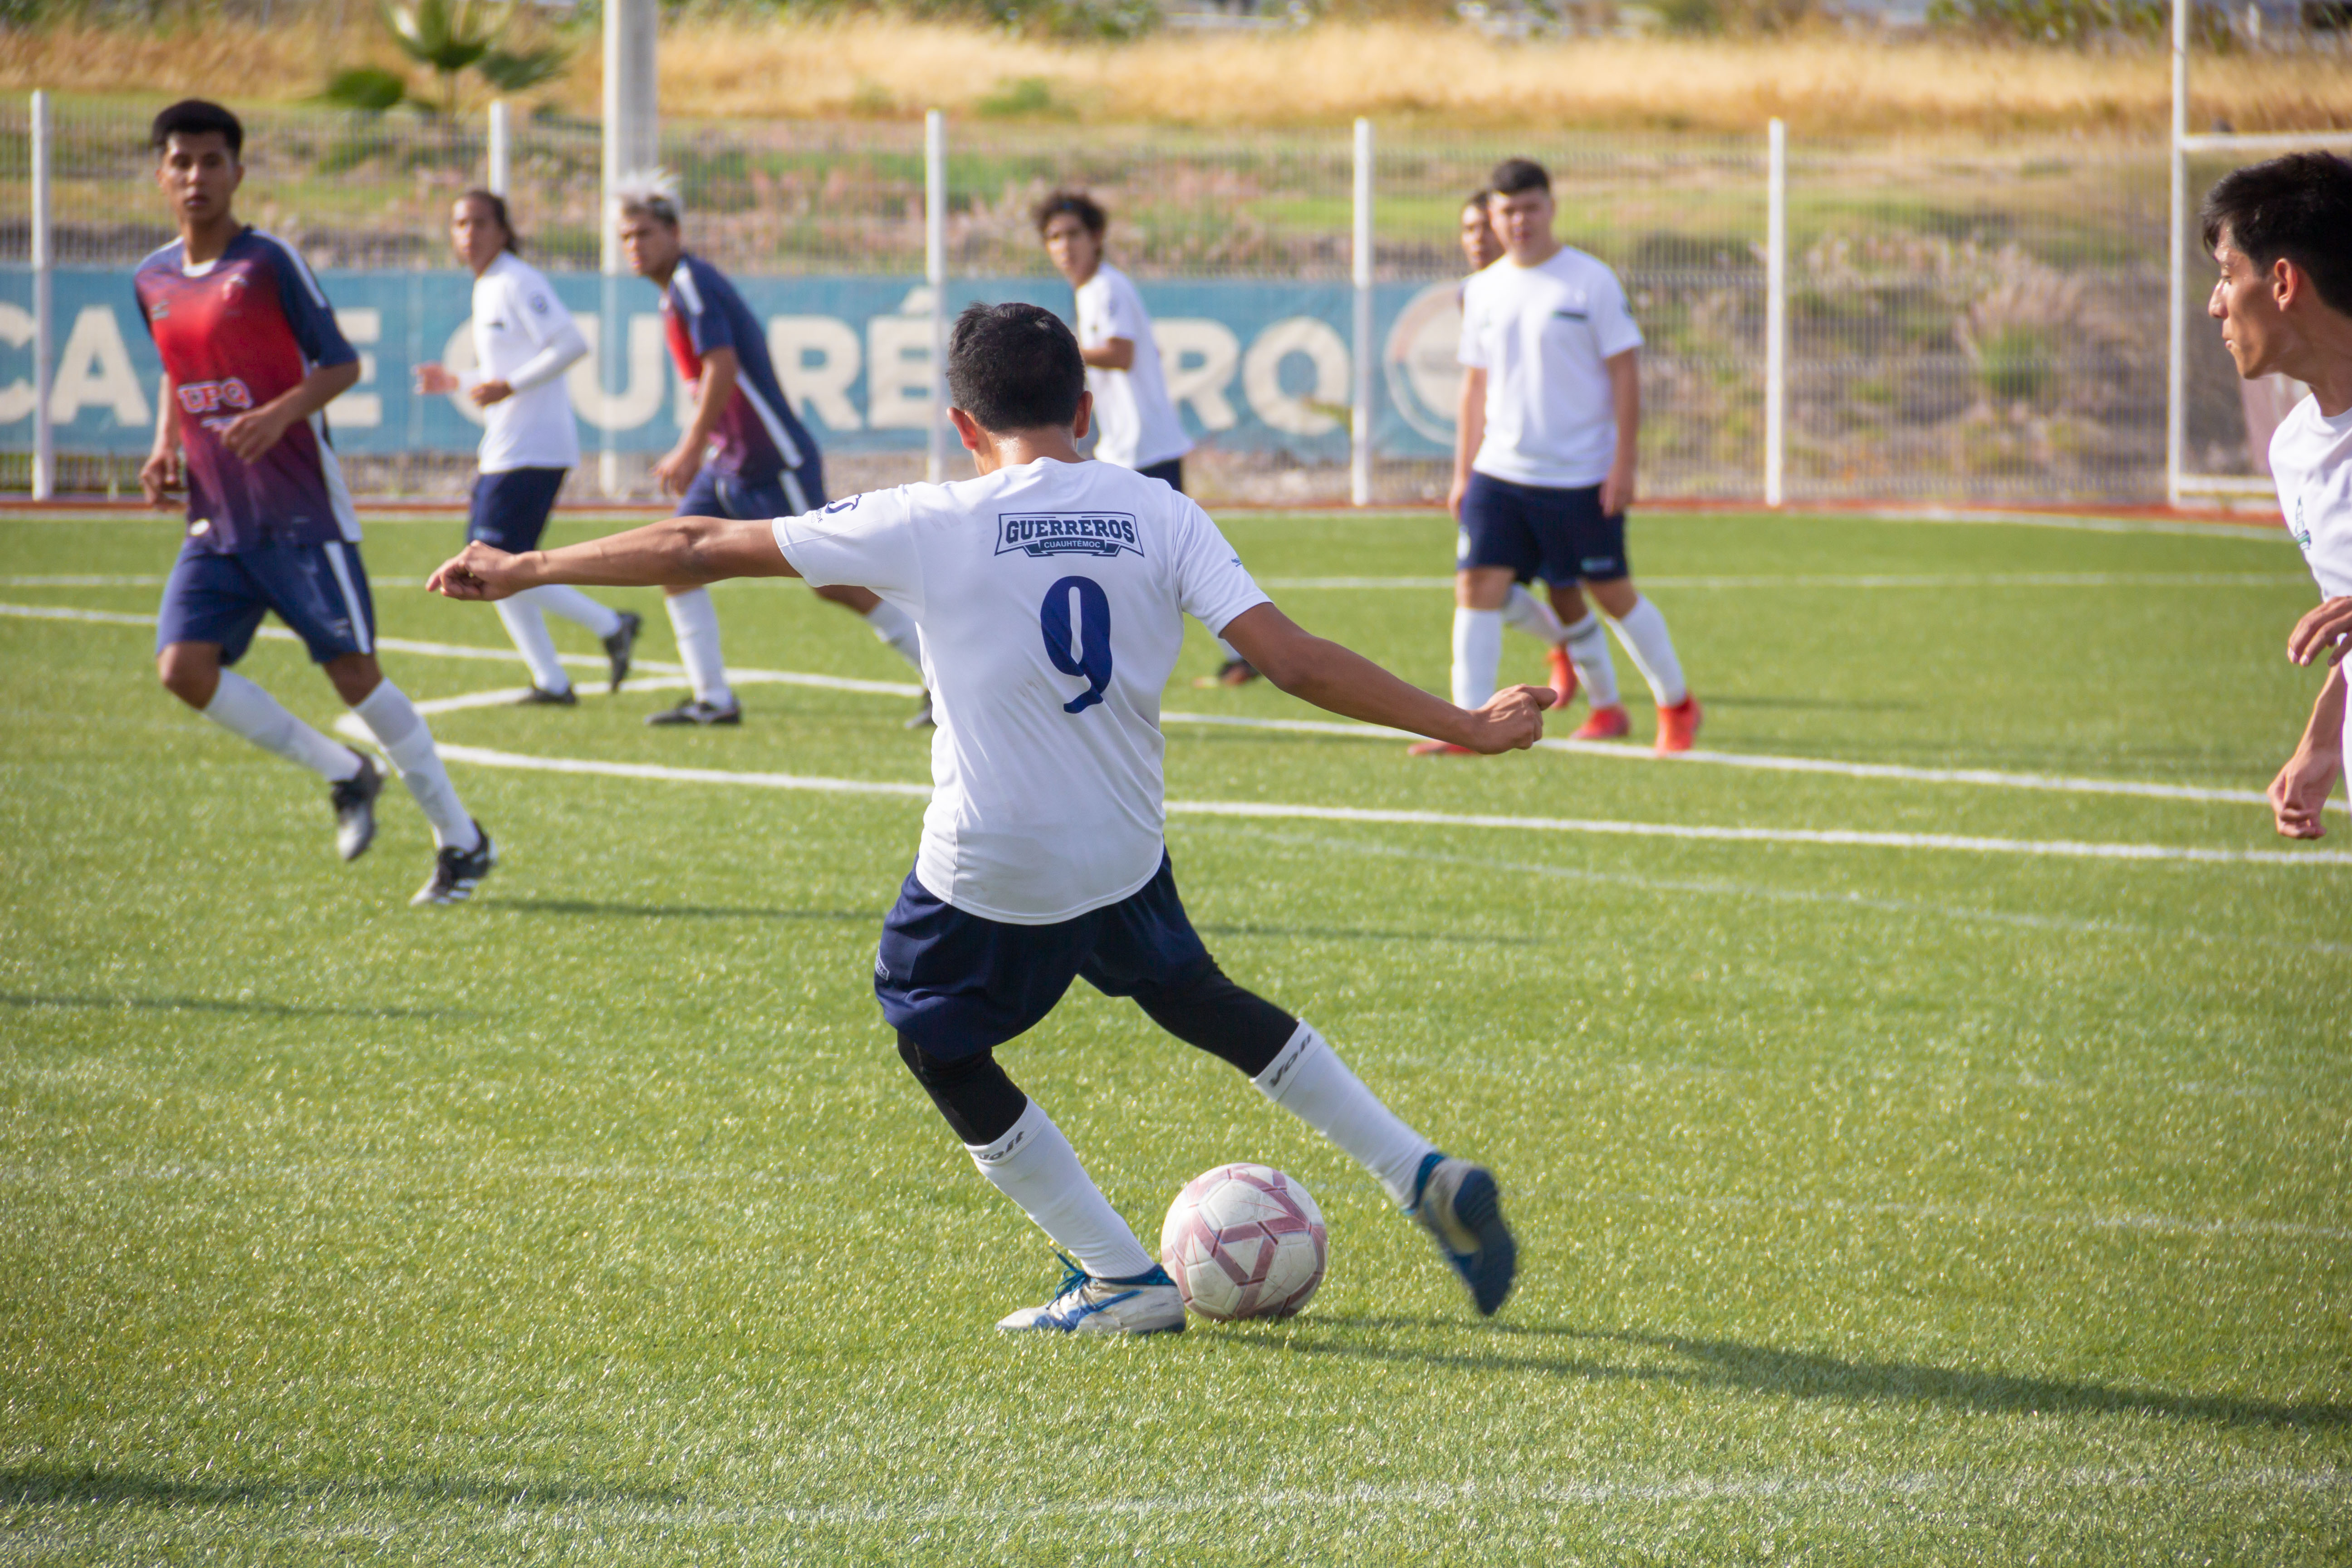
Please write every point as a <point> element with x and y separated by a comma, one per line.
<point>354,800</point>
<point>1147,1304</point>
<point>541,697</point>
<point>1563,678</point>
<point>922,719</point>
<point>1608,723</point>
<point>1438,749</point>
<point>1459,1204</point>
<point>621,645</point>
<point>694,711</point>
<point>1233,672</point>
<point>1678,726</point>
<point>457,872</point>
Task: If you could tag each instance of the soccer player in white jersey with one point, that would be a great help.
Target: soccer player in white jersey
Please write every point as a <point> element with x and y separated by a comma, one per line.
<point>2282,232</point>
<point>1544,455</point>
<point>524,339</point>
<point>1051,593</point>
<point>1136,425</point>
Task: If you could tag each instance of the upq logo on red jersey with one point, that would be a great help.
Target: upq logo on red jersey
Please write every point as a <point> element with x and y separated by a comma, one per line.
<point>205,396</point>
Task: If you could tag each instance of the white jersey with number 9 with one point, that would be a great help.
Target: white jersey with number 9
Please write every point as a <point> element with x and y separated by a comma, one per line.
<point>1050,599</point>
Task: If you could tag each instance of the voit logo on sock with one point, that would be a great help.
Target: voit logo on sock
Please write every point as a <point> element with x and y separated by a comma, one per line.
<point>1041,533</point>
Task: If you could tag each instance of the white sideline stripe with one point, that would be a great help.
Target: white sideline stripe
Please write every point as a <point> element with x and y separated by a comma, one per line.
<point>1956,580</point>
<point>1348,729</point>
<point>481,756</point>
<point>2153,1223</point>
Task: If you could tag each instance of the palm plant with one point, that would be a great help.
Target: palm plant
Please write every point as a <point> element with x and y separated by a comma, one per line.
<point>448,37</point>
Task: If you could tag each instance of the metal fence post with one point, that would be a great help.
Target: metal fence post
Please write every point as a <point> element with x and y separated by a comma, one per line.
<point>45,455</point>
<point>632,150</point>
<point>1776,317</point>
<point>935,270</point>
<point>1359,453</point>
<point>500,153</point>
<point>2176,365</point>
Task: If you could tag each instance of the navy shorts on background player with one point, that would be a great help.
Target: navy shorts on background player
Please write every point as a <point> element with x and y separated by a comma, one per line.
<point>1558,535</point>
<point>957,985</point>
<point>318,590</point>
<point>510,508</point>
<point>789,494</point>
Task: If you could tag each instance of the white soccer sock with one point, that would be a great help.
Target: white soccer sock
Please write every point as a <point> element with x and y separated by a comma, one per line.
<point>1034,1166</point>
<point>563,599</point>
<point>695,619</point>
<point>1308,1079</point>
<point>528,627</point>
<point>1478,654</point>
<point>897,627</point>
<point>1524,612</point>
<point>1588,650</point>
<point>1644,633</point>
<point>400,729</point>
<point>240,706</point>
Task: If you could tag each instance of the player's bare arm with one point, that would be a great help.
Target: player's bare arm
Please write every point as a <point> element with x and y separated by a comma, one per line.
<point>1340,681</point>
<point>682,553</point>
<point>1469,430</point>
<point>1625,393</point>
<point>1113,353</point>
<point>160,473</point>
<point>716,384</point>
<point>2324,631</point>
<point>252,434</point>
<point>2298,795</point>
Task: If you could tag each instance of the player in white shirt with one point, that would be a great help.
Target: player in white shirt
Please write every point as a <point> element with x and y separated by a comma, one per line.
<point>1545,447</point>
<point>524,341</point>
<point>2282,232</point>
<point>1050,592</point>
<point>1136,422</point>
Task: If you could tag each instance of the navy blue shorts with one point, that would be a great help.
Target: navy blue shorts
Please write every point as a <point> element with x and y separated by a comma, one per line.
<point>318,590</point>
<point>957,984</point>
<point>509,509</point>
<point>789,494</point>
<point>1558,535</point>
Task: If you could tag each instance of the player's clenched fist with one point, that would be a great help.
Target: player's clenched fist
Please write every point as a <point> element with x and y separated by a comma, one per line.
<point>476,572</point>
<point>1512,721</point>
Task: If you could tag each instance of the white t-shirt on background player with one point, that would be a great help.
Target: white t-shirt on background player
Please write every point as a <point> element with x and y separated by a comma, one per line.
<point>1051,598</point>
<point>1138,425</point>
<point>1544,334</point>
<point>524,337</point>
<point>2311,459</point>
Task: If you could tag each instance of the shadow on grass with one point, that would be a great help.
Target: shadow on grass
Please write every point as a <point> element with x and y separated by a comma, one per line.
<point>216,1005</point>
<point>33,1486</point>
<point>679,911</point>
<point>1352,934</point>
<point>1804,1375</point>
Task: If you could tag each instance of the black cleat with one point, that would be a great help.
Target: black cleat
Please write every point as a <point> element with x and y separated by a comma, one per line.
<point>1233,672</point>
<point>922,719</point>
<point>1460,1206</point>
<point>694,711</point>
<point>457,871</point>
<point>622,644</point>
<point>354,800</point>
<point>541,697</point>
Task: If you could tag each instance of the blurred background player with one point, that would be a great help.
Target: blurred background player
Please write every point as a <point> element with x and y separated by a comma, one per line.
<point>1521,608</point>
<point>524,339</point>
<point>1044,855</point>
<point>1136,424</point>
<point>2282,232</point>
<point>251,355</point>
<point>1544,454</point>
<point>744,454</point>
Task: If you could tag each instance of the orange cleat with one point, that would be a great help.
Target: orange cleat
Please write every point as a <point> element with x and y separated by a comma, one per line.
<point>1678,726</point>
<point>1563,678</point>
<point>1438,749</point>
<point>1604,724</point>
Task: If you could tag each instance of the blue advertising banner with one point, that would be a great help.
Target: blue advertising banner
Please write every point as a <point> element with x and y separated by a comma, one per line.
<point>1251,366</point>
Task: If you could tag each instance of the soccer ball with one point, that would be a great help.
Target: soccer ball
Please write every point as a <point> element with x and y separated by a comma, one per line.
<point>1244,1241</point>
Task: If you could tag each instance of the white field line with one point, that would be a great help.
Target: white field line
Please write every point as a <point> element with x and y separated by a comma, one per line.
<point>1953,580</point>
<point>1348,729</point>
<point>2153,1224</point>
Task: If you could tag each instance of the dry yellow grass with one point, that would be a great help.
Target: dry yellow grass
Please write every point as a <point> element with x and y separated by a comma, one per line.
<point>875,66</point>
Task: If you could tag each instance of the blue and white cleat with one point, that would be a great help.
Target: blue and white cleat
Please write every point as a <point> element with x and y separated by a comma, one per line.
<point>1146,1304</point>
<point>1459,1204</point>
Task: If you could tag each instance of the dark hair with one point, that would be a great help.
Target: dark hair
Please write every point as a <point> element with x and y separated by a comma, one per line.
<point>1514,176</point>
<point>1015,367</point>
<point>497,205</point>
<point>1478,198</point>
<point>2299,207</point>
<point>1079,205</point>
<point>197,116</point>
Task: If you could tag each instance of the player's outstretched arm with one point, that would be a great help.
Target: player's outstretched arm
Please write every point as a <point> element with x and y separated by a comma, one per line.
<point>683,552</point>
<point>1340,681</point>
<point>2299,795</point>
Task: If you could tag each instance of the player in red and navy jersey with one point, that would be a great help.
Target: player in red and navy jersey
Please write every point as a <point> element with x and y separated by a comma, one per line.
<point>743,456</point>
<point>251,358</point>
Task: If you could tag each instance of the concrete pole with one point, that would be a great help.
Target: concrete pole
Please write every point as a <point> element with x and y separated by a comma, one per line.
<point>1359,444</point>
<point>1776,317</point>
<point>631,151</point>
<point>502,154</point>
<point>935,271</point>
<point>2176,365</point>
<point>45,456</point>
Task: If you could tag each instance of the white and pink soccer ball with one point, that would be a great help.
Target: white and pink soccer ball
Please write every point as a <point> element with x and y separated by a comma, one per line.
<point>1244,1241</point>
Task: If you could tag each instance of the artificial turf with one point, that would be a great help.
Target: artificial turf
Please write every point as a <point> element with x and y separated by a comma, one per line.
<point>1887,1205</point>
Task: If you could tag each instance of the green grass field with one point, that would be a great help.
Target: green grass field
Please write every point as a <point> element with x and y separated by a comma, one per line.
<point>1882,1202</point>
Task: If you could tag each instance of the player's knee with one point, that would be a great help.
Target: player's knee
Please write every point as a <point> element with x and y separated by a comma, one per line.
<point>188,674</point>
<point>1212,1014</point>
<point>979,1102</point>
<point>355,677</point>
